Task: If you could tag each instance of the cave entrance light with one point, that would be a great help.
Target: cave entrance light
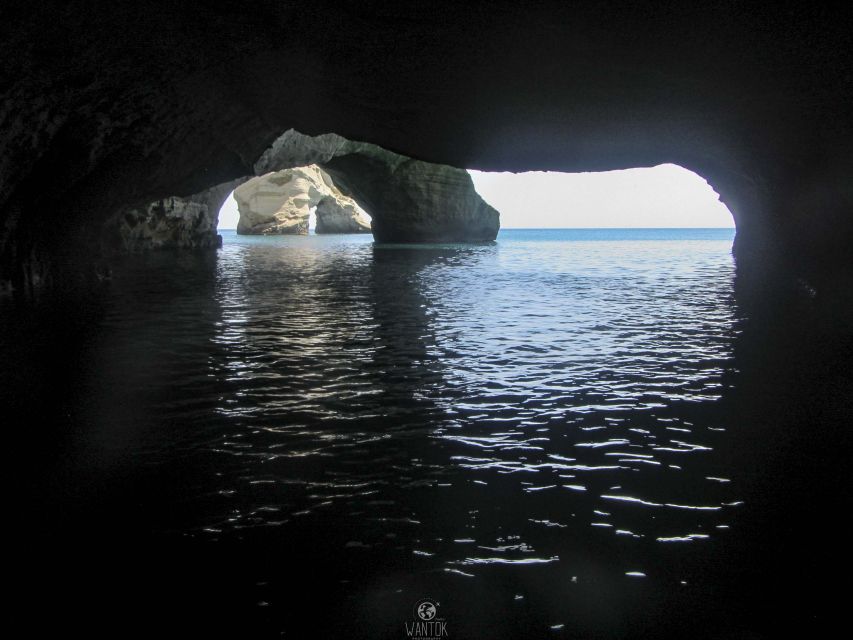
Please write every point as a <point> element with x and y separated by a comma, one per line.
<point>665,196</point>
<point>228,214</point>
<point>291,196</point>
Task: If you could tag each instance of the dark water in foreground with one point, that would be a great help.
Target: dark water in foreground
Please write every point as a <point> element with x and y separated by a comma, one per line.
<point>564,434</point>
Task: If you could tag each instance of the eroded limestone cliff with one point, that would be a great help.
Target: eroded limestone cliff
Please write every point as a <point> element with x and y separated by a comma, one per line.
<point>280,202</point>
<point>170,223</point>
<point>408,200</point>
<point>348,182</point>
<point>341,215</point>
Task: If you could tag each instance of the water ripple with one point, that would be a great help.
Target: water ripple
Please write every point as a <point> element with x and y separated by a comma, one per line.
<point>555,396</point>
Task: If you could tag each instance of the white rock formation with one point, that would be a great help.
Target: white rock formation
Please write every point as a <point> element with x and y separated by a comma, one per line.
<point>280,202</point>
<point>408,200</point>
<point>341,215</point>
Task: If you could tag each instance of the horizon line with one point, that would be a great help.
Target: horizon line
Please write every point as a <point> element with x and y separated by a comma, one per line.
<point>556,228</point>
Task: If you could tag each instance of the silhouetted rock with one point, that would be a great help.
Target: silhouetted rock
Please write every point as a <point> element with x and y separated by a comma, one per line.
<point>170,223</point>
<point>123,108</point>
<point>408,200</point>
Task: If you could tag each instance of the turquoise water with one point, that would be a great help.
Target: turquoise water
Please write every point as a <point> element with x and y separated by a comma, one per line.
<point>724,234</point>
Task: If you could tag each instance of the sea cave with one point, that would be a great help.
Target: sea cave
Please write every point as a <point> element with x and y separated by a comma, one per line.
<point>421,421</point>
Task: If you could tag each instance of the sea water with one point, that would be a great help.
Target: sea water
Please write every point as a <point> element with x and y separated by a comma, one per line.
<point>318,432</point>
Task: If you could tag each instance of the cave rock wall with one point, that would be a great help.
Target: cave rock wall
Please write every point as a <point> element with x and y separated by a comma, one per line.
<point>169,223</point>
<point>105,110</point>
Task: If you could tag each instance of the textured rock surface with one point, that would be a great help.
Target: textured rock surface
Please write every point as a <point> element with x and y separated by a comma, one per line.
<point>341,215</point>
<point>414,201</point>
<point>170,223</point>
<point>408,200</point>
<point>280,202</point>
<point>124,107</point>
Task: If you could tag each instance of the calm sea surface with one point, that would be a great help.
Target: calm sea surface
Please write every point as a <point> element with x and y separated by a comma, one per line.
<point>326,431</point>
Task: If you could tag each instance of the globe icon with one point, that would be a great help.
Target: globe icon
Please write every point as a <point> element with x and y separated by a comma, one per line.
<point>426,611</point>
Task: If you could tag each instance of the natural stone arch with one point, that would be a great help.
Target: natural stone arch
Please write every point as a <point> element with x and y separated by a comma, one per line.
<point>170,223</point>
<point>408,200</point>
<point>755,101</point>
<point>280,202</point>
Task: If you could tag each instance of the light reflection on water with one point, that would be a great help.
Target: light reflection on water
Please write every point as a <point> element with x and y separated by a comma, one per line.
<point>464,413</point>
<point>559,373</point>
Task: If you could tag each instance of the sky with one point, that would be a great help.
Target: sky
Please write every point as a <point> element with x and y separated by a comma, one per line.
<point>662,196</point>
<point>228,215</point>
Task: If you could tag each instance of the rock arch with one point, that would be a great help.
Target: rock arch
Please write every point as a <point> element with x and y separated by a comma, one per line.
<point>279,202</point>
<point>407,200</point>
<point>755,100</point>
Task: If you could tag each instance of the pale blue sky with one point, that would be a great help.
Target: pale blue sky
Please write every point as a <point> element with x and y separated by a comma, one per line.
<point>228,215</point>
<point>662,196</point>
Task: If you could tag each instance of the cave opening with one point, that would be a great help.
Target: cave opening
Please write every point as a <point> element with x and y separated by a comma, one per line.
<point>551,374</point>
<point>663,196</point>
<point>364,188</point>
<point>548,437</point>
<point>666,196</point>
<point>228,218</point>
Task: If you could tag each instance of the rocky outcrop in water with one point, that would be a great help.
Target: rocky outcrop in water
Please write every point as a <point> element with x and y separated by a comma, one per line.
<point>340,215</point>
<point>165,109</point>
<point>408,200</point>
<point>280,203</point>
<point>171,223</point>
